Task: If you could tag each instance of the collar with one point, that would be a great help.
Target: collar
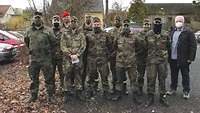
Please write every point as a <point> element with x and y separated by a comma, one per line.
<point>40,28</point>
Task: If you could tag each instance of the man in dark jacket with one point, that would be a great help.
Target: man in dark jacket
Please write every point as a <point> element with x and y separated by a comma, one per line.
<point>182,52</point>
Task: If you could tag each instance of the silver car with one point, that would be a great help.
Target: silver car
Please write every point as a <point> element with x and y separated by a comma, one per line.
<point>7,52</point>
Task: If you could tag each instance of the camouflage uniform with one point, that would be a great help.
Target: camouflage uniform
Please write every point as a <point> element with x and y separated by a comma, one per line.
<point>97,60</point>
<point>87,28</point>
<point>115,33</point>
<point>40,43</point>
<point>141,55</point>
<point>126,62</point>
<point>72,43</point>
<point>58,55</point>
<point>156,62</point>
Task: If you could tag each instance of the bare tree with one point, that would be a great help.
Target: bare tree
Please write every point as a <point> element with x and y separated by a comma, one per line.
<point>106,21</point>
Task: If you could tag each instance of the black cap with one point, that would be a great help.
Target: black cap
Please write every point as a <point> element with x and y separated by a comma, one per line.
<point>126,21</point>
<point>158,18</point>
<point>37,13</point>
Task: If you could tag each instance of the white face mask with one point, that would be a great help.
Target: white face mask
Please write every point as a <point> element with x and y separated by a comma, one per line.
<point>179,24</point>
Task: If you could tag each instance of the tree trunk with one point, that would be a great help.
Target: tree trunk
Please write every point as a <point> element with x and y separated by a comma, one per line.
<point>106,18</point>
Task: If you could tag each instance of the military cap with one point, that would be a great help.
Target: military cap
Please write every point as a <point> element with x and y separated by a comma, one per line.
<point>126,21</point>
<point>118,18</point>
<point>37,13</point>
<point>96,19</point>
<point>73,18</point>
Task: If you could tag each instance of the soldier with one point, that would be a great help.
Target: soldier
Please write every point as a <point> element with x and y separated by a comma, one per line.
<point>58,59</point>
<point>73,45</point>
<point>115,33</point>
<point>97,59</point>
<point>126,62</point>
<point>141,54</point>
<point>66,19</point>
<point>39,41</point>
<point>157,42</point>
<point>87,28</point>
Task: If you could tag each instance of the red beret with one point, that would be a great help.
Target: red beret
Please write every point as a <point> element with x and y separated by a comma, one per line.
<point>65,13</point>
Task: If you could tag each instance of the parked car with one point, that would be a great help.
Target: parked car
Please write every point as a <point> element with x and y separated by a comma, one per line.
<point>197,35</point>
<point>11,39</point>
<point>108,29</point>
<point>7,52</point>
<point>17,34</point>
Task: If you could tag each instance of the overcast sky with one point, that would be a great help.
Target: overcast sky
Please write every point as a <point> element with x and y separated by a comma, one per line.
<point>124,3</point>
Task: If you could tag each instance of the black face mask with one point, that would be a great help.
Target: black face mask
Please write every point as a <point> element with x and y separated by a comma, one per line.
<point>56,25</point>
<point>157,28</point>
<point>97,29</point>
<point>126,31</point>
<point>118,24</point>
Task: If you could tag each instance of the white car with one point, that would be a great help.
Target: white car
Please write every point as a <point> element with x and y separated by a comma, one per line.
<point>7,52</point>
<point>108,29</point>
<point>197,35</point>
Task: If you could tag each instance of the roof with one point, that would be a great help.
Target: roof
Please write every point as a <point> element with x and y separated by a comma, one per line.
<point>171,8</point>
<point>4,9</point>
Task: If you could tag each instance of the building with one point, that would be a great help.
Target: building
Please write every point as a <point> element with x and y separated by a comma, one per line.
<point>6,13</point>
<point>168,11</point>
<point>96,9</point>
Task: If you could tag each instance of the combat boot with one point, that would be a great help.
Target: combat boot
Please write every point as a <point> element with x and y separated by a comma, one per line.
<point>163,100</point>
<point>33,98</point>
<point>150,100</point>
<point>106,95</point>
<point>79,95</point>
<point>114,88</point>
<point>67,96</point>
<point>136,99</point>
<point>124,89</point>
<point>117,95</point>
<point>140,92</point>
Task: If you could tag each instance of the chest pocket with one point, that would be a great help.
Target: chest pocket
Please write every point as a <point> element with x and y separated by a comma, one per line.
<point>76,41</point>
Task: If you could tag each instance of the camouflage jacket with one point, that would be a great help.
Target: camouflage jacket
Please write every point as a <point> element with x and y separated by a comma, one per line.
<point>98,46</point>
<point>157,47</point>
<point>126,51</point>
<point>57,49</point>
<point>40,44</point>
<point>114,35</point>
<point>141,47</point>
<point>72,42</point>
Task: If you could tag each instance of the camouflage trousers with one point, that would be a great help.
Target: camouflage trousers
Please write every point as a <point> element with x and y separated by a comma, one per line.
<point>59,63</point>
<point>154,71</point>
<point>93,68</point>
<point>141,67</point>
<point>113,70</point>
<point>72,76</point>
<point>132,74</point>
<point>34,71</point>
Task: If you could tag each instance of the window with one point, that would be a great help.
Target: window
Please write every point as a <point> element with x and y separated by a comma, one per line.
<point>3,37</point>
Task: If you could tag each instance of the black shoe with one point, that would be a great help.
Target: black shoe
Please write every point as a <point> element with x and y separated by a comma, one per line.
<point>124,89</point>
<point>106,95</point>
<point>163,100</point>
<point>136,98</point>
<point>66,97</point>
<point>150,100</point>
<point>116,96</point>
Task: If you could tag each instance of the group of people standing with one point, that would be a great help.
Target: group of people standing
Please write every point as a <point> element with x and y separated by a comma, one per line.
<point>86,54</point>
